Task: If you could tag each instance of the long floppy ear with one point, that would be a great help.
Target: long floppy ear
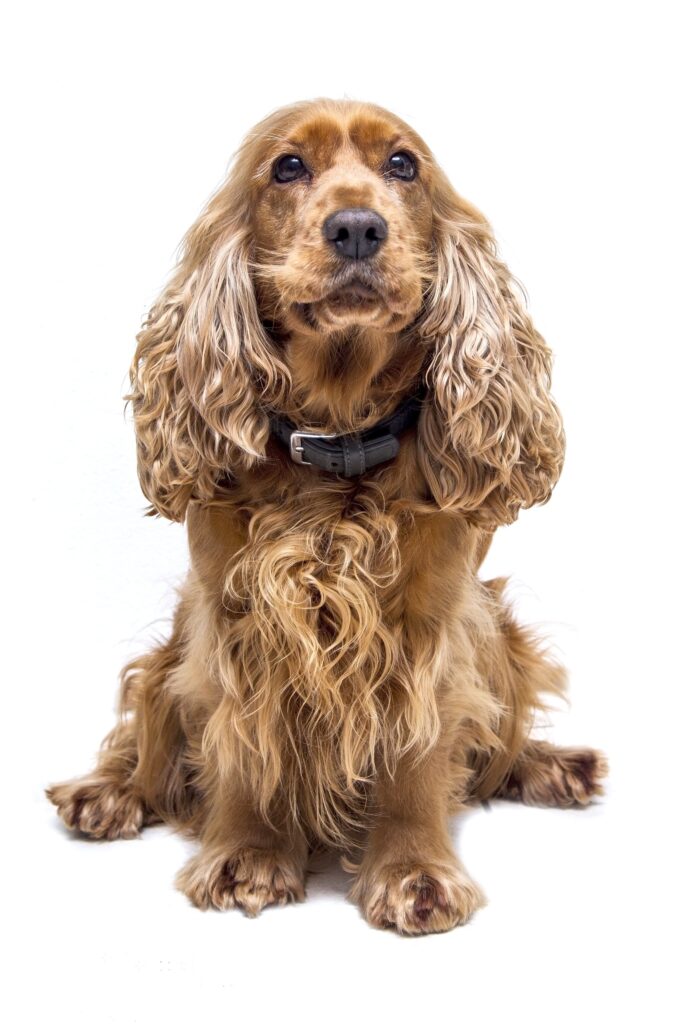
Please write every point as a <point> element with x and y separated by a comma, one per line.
<point>202,361</point>
<point>491,436</point>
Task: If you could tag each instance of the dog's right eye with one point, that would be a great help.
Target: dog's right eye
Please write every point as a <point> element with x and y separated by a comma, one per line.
<point>289,168</point>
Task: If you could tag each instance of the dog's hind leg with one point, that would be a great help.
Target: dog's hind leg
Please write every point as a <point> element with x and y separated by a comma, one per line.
<point>535,772</point>
<point>141,775</point>
<point>104,805</point>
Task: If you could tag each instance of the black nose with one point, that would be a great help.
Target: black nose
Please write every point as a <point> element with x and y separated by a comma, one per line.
<point>356,233</point>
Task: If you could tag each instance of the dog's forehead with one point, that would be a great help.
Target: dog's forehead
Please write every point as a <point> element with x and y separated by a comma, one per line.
<point>371,136</point>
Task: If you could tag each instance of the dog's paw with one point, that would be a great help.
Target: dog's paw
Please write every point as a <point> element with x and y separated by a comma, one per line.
<point>552,776</point>
<point>249,878</point>
<point>417,899</point>
<point>98,808</point>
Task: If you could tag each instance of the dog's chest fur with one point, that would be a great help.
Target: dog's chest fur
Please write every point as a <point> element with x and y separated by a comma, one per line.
<point>336,645</point>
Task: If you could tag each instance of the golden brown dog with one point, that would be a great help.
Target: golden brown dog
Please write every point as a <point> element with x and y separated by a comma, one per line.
<point>337,674</point>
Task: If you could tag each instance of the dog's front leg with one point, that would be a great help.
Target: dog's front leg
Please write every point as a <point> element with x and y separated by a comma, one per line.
<point>409,878</point>
<point>243,861</point>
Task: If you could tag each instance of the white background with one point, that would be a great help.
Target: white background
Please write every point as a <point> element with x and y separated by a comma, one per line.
<point>560,121</point>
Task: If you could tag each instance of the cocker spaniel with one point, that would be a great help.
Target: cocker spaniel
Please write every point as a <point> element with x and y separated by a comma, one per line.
<point>342,394</point>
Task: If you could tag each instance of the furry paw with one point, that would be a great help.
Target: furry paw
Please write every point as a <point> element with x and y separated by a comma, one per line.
<point>417,899</point>
<point>549,776</point>
<point>249,878</point>
<point>98,808</point>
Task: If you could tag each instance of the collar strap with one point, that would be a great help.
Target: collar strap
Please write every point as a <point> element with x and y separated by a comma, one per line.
<point>348,454</point>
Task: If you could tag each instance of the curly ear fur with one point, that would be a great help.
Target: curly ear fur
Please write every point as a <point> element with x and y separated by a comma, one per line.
<point>202,358</point>
<point>492,438</point>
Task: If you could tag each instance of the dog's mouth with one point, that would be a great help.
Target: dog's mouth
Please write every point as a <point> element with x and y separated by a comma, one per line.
<point>352,296</point>
<point>353,289</point>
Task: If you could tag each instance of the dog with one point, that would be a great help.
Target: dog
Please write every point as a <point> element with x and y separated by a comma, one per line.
<point>342,394</point>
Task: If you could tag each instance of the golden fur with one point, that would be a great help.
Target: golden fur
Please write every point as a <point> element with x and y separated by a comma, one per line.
<point>336,672</point>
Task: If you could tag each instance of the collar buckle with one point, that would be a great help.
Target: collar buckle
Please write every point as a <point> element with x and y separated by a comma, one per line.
<point>296,444</point>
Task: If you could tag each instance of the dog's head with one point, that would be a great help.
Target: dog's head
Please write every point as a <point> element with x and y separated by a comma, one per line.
<point>335,271</point>
<point>343,221</point>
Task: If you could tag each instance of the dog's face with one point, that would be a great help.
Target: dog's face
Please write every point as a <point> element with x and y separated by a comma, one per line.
<point>342,222</point>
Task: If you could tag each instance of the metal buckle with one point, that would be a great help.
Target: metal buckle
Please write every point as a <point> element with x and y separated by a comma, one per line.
<point>296,447</point>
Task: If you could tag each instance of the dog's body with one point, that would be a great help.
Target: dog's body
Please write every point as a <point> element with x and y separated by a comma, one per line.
<point>337,673</point>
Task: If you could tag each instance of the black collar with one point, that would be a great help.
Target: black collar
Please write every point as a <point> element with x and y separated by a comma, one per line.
<point>348,454</point>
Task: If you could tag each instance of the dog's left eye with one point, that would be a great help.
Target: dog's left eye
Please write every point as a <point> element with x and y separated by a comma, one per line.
<point>401,165</point>
<point>289,168</point>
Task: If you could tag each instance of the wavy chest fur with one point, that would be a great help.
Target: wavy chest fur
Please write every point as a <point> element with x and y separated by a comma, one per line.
<point>328,672</point>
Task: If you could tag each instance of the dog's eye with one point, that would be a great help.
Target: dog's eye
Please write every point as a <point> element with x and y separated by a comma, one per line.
<point>289,168</point>
<point>402,165</point>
